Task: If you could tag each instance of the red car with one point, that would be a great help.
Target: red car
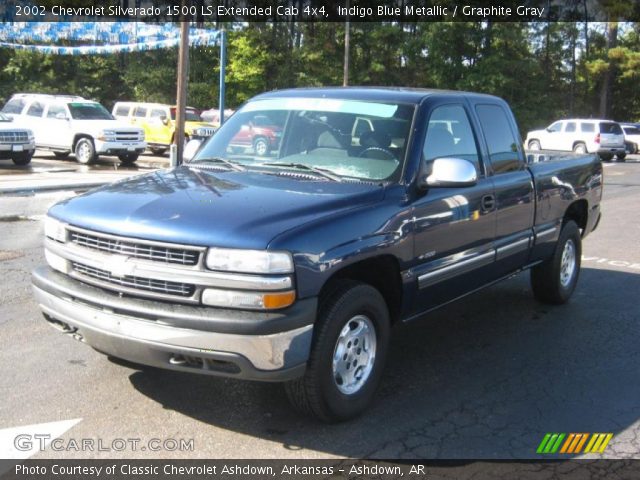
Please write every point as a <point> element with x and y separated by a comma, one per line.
<point>260,133</point>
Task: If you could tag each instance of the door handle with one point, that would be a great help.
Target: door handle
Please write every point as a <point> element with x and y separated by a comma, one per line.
<point>488,203</point>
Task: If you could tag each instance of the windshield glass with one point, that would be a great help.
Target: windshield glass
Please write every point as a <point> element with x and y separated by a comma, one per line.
<point>190,115</point>
<point>89,111</point>
<point>344,138</point>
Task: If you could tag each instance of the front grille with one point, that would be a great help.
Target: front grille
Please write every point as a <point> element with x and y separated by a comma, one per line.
<point>134,249</point>
<point>13,137</point>
<point>204,131</point>
<point>163,287</point>
<point>128,136</point>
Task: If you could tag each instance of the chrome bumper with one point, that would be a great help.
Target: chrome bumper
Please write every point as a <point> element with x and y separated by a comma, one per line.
<point>179,337</point>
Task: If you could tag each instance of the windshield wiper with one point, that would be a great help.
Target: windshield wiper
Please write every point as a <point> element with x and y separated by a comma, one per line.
<point>232,165</point>
<point>319,171</point>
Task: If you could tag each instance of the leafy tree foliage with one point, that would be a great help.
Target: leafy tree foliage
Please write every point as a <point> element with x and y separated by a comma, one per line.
<point>545,70</point>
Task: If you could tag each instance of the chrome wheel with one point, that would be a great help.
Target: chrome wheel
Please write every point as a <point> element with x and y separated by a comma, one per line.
<point>354,354</point>
<point>261,147</point>
<point>568,263</point>
<point>84,152</point>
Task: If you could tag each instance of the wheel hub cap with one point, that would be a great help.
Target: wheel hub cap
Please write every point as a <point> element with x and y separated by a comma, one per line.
<point>354,354</point>
<point>568,263</point>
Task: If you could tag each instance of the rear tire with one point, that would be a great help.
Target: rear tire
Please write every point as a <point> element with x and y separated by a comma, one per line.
<point>22,159</point>
<point>606,158</point>
<point>85,151</point>
<point>534,145</point>
<point>555,280</point>
<point>621,157</point>
<point>128,158</point>
<point>580,148</point>
<point>353,326</point>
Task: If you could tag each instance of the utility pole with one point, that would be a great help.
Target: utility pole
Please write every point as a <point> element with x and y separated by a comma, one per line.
<point>345,77</point>
<point>183,80</point>
<point>223,67</point>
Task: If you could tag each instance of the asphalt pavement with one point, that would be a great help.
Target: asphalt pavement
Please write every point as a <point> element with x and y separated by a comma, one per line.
<point>485,378</point>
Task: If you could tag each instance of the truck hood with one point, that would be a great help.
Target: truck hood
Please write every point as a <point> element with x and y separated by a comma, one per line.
<point>95,126</point>
<point>199,207</point>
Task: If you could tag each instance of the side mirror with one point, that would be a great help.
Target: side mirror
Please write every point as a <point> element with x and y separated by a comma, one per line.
<point>450,172</point>
<point>164,120</point>
<point>190,149</point>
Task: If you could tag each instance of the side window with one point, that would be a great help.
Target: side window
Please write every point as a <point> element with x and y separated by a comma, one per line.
<point>140,112</point>
<point>157,113</point>
<point>55,110</point>
<point>570,127</point>
<point>501,142</point>
<point>449,134</point>
<point>14,106</point>
<point>555,127</point>
<point>122,111</point>
<point>36,109</point>
<point>587,127</point>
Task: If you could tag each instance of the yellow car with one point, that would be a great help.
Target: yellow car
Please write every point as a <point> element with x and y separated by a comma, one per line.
<point>158,122</point>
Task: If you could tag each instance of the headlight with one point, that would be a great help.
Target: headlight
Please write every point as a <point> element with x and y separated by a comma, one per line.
<point>55,229</point>
<point>107,136</point>
<point>30,135</point>
<point>249,261</point>
<point>249,300</point>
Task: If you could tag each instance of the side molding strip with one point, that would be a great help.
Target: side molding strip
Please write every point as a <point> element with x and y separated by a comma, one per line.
<point>455,269</point>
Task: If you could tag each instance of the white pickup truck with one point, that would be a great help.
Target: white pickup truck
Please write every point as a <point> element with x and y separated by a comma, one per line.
<point>66,124</point>
<point>15,143</point>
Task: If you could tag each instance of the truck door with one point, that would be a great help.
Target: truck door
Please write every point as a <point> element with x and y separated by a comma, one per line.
<point>513,184</point>
<point>453,227</point>
<point>56,131</point>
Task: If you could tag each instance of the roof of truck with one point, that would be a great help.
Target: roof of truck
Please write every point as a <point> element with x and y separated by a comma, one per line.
<point>382,94</point>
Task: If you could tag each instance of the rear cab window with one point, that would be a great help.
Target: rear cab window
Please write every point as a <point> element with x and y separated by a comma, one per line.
<point>570,127</point>
<point>587,127</point>
<point>501,139</point>
<point>36,109</point>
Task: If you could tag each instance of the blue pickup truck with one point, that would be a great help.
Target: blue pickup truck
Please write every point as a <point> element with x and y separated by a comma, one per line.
<point>374,207</point>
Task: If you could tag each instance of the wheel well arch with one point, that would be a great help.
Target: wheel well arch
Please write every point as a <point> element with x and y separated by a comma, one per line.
<point>532,140</point>
<point>577,142</point>
<point>77,137</point>
<point>381,272</point>
<point>578,211</point>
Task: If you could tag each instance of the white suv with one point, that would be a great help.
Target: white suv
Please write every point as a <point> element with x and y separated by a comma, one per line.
<point>66,124</point>
<point>603,137</point>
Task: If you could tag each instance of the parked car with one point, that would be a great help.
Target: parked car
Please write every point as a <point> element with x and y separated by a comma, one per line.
<point>293,267</point>
<point>631,136</point>
<point>158,122</point>
<point>65,124</point>
<point>603,137</point>
<point>15,143</point>
<point>259,133</point>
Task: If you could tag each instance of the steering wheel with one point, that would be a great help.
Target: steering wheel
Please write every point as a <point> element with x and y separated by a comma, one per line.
<point>386,154</point>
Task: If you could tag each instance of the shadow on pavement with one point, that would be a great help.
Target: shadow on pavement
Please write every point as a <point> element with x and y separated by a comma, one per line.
<point>486,377</point>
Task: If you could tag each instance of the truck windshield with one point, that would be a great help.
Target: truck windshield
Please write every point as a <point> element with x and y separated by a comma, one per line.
<point>189,115</point>
<point>342,138</point>
<point>89,111</point>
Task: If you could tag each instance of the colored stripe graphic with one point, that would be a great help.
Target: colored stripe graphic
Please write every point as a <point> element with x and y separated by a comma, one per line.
<point>574,442</point>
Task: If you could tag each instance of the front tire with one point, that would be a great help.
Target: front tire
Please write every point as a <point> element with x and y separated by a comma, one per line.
<point>85,151</point>
<point>555,280</point>
<point>347,357</point>
<point>22,159</point>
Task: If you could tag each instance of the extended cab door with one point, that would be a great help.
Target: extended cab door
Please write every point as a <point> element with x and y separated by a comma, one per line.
<point>513,184</point>
<point>56,130</point>
<point>454,228</point>
<point>552,139</point>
